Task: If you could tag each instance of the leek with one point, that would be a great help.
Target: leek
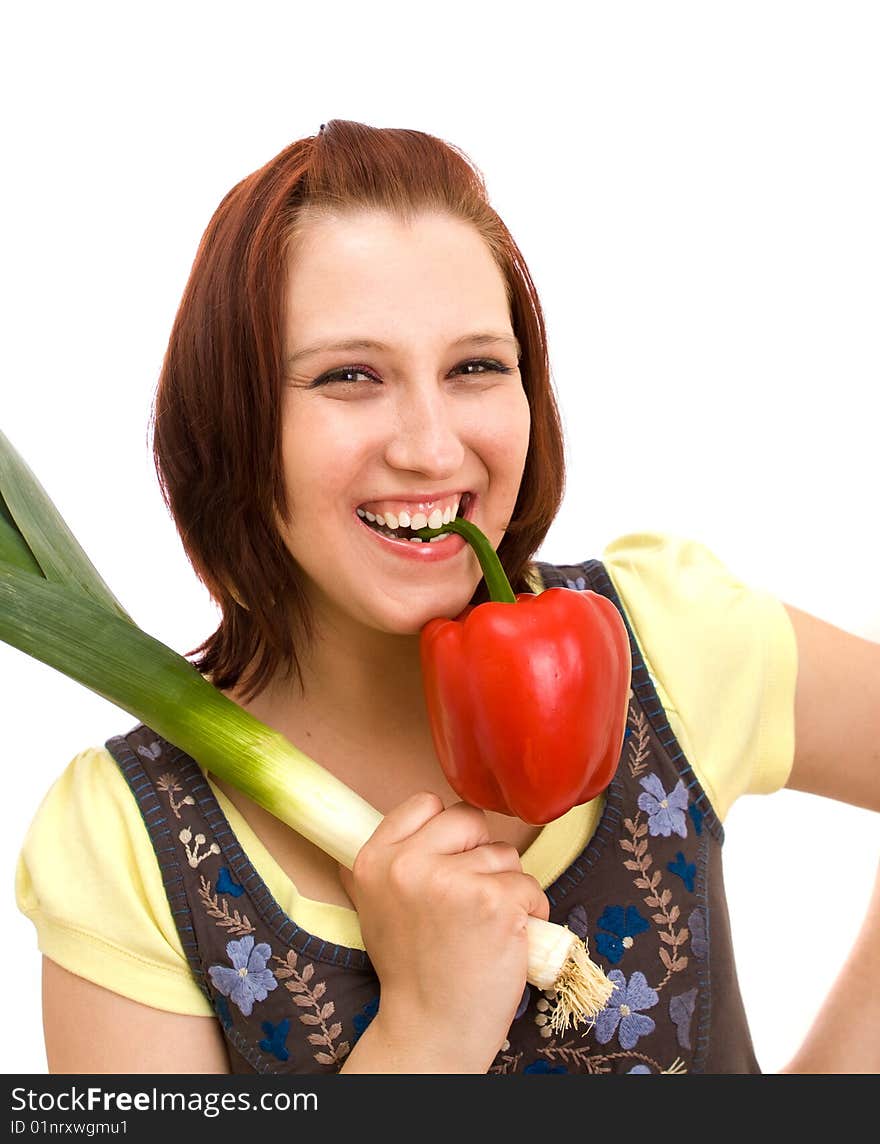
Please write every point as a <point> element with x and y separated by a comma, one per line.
<point>55,607</point>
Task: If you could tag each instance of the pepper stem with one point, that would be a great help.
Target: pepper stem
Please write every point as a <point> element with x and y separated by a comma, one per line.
<point>499,587</point>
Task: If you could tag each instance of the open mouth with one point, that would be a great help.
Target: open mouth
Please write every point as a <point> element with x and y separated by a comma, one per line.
<point>405,531</point>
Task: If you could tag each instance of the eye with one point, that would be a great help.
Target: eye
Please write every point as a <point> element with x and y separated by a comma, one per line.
<point>487,365</point>
<point>346,375</point>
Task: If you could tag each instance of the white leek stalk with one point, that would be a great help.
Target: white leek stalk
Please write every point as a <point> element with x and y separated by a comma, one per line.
<point>55,607</point>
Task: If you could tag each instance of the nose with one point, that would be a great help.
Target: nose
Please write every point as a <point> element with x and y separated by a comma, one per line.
<point>426,437</point>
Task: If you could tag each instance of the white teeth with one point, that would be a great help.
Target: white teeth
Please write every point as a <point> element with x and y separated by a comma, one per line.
<point>415,521</point>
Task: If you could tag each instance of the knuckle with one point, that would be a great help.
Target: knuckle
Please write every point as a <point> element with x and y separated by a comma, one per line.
<point>402,872</point>
<point>425,802</point>
<point>504,855</point>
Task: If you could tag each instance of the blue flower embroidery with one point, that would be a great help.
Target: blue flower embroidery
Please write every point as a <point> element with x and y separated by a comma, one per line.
<point>699,937</point>
<point>275,1037</point>
<point>364,1017</point>
<point>225,884</point>
<point>638,1069</point>
<point>687,871</point>
<point>623,1010</point>
<point>696,817</point>
<point>249,980</point>
<point>665,811</point>
<point>544,1067</point>
<point>623,925</point>
<point>681,1010</point>
<point>577,585</point>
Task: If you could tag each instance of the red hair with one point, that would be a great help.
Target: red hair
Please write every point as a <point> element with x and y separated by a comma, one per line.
<point>216,419</point>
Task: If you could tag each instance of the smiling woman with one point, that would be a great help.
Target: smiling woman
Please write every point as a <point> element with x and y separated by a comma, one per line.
<point>408,431</point>
<point>360,353</point>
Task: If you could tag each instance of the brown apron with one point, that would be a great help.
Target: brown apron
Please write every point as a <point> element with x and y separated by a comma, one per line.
<point>647,892</point>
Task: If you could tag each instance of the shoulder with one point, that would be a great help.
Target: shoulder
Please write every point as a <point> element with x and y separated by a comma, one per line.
<point>88,879</point>
<point>722,654</point>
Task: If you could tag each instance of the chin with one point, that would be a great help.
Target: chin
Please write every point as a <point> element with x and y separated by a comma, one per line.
<point>411,621</point>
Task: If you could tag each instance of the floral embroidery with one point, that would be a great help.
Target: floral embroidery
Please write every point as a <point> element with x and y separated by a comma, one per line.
<point>639,1069</point>
<point>192,853</point>
<point>308,996</point>
<point>681,1010</point>
<point>152,752</point>
<point>544,1067</point>
<point>234,922</point>
<point>542,1014</point>
<point>578,585</point>
<point>699,938</point>
<point>225,884</point>
<point>665,811</point>
<point>623,1013</point>
<point>169,784</point>
<point>249,980</point>
<point>274,1041</point>
<point>696,817</point>
<point>683,869</point>
<point>660,900</point>
<point>623,925</point>
<point>640,747</point>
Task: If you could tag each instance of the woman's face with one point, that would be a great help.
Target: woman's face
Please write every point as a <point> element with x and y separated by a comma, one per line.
<point>403,395</point>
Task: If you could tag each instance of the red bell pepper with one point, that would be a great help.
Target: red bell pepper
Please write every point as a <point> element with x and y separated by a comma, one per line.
<point>527,695</point>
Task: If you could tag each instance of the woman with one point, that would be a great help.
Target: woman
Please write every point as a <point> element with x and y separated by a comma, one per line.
<point>359,347</point>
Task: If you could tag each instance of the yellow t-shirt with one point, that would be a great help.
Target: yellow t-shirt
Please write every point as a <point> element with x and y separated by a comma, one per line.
<point>722,657</point>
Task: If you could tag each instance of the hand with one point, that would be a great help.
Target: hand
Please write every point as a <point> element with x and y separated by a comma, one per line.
<point>443,913</point>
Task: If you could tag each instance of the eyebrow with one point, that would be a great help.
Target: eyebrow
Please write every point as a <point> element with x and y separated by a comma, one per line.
<point>479,339</point>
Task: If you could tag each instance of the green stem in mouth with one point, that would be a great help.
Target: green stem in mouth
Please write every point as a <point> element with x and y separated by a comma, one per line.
<point>496,578</point>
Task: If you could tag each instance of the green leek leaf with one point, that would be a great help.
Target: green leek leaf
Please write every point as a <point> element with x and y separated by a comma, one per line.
<point>13,546</point>
<point>138,673</point>
<point>45,532</point>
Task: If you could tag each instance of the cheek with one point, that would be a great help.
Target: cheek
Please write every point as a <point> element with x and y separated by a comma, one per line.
<point>506,436</point>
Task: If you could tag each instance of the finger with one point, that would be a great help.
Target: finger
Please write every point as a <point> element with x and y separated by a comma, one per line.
<point>407,817</point>
<point>460,827</point>
<point>524,892</point>
<point>491,858</point>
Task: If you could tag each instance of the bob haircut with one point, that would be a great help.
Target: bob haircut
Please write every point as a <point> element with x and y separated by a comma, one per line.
<point>216,417</point>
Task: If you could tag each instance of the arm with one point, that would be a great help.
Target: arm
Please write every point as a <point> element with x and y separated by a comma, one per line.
<point>837,755</point>
<point>91,1030</point>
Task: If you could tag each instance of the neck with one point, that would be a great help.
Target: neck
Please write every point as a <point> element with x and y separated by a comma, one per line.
<point>359,688</point>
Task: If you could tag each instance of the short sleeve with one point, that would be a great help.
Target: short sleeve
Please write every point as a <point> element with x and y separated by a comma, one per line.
<point>88,878</point>
<point>722,655</point>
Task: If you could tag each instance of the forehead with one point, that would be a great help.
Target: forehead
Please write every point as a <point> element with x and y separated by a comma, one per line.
<point>373,266</point>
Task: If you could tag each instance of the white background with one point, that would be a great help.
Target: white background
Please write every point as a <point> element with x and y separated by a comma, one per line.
<point>695,189</point>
